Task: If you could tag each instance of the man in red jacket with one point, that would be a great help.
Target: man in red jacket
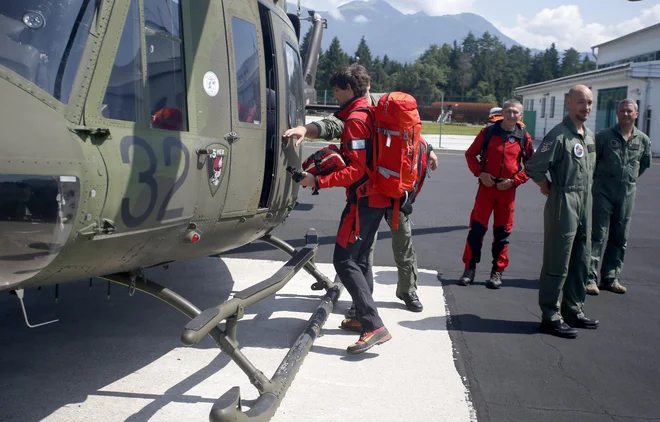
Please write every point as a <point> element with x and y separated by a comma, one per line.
<point>364,208</point>
<point>496,158</point>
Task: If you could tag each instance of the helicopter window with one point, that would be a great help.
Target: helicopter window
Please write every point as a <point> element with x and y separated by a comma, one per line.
<point>294,100</point>
<point>247,74</point>
<point>167,92</point>
<point>163,16</point>
<point>124,95</point>
<point>43,41</point>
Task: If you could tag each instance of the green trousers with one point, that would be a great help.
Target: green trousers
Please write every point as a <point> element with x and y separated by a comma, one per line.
<point>404,253</point>
<point>566,253</point>
<point>612,211</point>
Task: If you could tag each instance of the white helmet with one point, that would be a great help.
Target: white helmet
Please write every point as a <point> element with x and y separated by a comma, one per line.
<point>495,110</point>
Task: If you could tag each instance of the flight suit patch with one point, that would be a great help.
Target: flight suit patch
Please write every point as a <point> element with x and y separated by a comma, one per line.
<point>633,147</point>
<point>614,143</point>
<point>591,148</point>
<point>578,150</point>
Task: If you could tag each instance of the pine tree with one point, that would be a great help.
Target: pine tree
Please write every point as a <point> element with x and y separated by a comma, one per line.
<point>304,44</point>
<point>363,55</point>
<point>570,63</point>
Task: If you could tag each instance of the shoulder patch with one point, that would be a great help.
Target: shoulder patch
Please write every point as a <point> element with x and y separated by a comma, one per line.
<point>357,144</point>
<point>545,146</point>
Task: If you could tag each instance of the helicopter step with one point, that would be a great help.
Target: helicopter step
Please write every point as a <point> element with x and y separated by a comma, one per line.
<point>271,391</point>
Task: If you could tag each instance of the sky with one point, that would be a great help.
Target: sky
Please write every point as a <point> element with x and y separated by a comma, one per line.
<point>580,24</point>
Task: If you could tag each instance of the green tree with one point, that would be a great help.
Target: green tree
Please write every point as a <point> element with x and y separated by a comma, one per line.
<point>363,55</point>
<point>332,60</point>
<point>587,64</point>
<point>423,81</point>
<point>304,44</point>
<point>570,63</point>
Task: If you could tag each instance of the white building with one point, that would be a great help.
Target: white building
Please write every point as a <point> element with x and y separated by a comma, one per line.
<point>627,67</point>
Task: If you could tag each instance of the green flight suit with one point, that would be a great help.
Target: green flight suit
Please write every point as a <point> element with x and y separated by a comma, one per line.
<point>570,158</point>
<point>618,165</point>
<point>402,248</point>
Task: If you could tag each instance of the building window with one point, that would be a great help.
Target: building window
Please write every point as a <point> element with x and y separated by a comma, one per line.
<point>124,96</point>
<point>552,107</point>
<point>608,100</point>
<point>543,107</point>
<point>565,106</point>
<point>165,66</point>
<point>247,70</point>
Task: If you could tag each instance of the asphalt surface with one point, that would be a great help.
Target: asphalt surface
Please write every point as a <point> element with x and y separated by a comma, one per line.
<point>513,372</point>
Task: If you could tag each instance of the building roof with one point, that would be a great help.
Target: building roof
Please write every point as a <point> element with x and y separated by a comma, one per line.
<point>579,76</point>
<point>628,35</point>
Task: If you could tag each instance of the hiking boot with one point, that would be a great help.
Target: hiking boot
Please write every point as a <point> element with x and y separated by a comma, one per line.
<point>558,329</point>
<point>369,340</point>
<point>592,289</point>
<point>351,325</point>
<point>350,314</point>
<point>495,281</point>
<point>467,278</point>
<point>614,287</point>
<point>412,301</point>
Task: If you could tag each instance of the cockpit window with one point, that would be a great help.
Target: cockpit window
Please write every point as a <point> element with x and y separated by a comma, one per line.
<point>43,41</point>
<point>294,91</point>
<point>247,70</point>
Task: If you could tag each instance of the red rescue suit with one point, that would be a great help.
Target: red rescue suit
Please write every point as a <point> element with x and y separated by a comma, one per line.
<point>503,159</point>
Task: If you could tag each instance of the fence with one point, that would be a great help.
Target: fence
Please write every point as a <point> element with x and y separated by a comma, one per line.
<point>454,109</point>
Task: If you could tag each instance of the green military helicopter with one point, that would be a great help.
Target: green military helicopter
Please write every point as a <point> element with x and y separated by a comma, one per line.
<point>138,133</point>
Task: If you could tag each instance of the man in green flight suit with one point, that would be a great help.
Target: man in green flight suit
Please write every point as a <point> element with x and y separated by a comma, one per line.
<point>402,247</point>
<point>623,153</point>
<point>568,152</point>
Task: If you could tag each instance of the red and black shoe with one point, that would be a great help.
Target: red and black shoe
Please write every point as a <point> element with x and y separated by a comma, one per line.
<point>351,324</point>
<point>368,340</point>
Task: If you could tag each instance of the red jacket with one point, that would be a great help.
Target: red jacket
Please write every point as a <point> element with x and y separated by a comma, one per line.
<point>357,148</point>
<point>503,158</point>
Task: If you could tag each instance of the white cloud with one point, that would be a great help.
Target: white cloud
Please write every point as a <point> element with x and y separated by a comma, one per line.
<point>565,27</point>
<point>433,7</point>
<point>360,19</point>
<point>336,14</point>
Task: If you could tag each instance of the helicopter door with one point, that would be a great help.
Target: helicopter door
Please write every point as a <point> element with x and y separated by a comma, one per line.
<point>140,93</point>
<point>248,122</point>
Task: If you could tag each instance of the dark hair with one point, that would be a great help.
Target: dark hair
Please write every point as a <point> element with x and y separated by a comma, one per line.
<point>355,76</point>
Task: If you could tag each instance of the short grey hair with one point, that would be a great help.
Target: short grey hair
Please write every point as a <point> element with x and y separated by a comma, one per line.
<point>512,102</point>
<point>627,101</point>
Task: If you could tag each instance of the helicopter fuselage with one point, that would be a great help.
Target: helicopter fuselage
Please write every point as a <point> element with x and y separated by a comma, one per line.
<point>138,133</point>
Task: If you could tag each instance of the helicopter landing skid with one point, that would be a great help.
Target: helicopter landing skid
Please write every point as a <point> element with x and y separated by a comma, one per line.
<point>271,391</point>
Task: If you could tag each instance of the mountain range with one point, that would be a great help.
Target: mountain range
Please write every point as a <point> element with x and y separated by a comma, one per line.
<point>402,37</point>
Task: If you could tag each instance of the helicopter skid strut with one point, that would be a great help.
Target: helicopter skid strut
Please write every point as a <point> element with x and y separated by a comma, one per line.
<point>271,391</point>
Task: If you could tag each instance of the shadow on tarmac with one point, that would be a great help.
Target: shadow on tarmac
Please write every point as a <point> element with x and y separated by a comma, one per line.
<point>473,323</point>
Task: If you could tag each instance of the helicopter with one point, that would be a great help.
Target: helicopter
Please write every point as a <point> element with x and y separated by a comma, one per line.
<point>140,133</point>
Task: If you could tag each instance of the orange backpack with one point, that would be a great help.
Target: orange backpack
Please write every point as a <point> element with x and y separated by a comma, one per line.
<point>397,135</point>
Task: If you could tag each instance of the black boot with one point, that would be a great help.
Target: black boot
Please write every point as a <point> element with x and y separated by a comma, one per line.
<point>412,301</point>
<point>558,328</point>
<point>582,321</point>
<point>467,278</point>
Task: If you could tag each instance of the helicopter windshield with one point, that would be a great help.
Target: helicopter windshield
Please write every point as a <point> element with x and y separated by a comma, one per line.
<point>43,41</point>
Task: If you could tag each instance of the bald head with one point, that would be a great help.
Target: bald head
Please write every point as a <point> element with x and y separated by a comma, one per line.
<point>578,90</point>
<point>579,102</point>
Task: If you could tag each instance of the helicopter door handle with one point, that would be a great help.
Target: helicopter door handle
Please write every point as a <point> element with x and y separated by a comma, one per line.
<point>232,137</point>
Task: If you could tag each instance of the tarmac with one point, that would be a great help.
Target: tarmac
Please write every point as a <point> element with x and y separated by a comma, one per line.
<point>472,354</point>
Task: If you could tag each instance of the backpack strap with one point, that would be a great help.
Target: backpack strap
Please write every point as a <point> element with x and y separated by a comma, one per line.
<point>484,145</point>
